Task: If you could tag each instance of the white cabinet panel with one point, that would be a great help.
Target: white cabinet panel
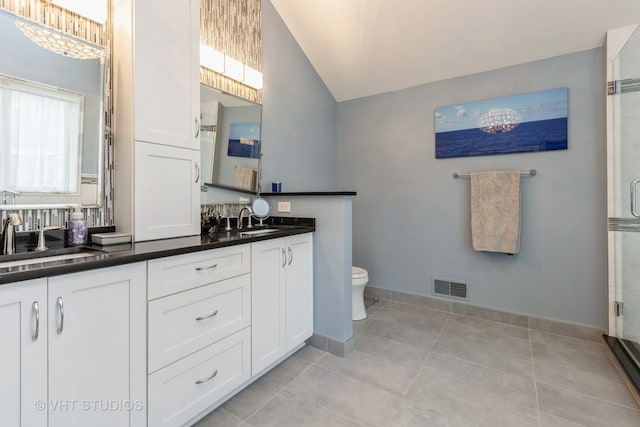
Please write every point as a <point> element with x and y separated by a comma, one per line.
<point>184,389</point>
<point>299,289</point>
<point>97,345</point>
<point>186,322</point>
<point>182,272</point>
<point>268,299</point>
<point>23,353</point>
<point>282,297</point>
<point>167,67</point>
<point>166,191</point>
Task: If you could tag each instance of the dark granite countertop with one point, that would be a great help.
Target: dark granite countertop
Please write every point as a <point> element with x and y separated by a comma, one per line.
<point>109,256</point>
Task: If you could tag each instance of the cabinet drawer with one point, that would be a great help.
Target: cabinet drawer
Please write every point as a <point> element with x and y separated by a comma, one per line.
<point>182,272</point>
<point>174,329</point>
<point>174,395</point>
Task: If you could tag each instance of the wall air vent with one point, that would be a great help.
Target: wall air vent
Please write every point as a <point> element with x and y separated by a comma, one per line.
<point>446,288</point>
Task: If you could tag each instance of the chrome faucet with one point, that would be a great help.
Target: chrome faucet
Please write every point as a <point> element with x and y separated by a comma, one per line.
<point>9,234</point>
<point>240,216</point>
<point>41,239</point>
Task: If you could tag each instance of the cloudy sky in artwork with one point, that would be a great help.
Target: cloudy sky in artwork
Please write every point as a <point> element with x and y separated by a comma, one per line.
<point>532,107</point>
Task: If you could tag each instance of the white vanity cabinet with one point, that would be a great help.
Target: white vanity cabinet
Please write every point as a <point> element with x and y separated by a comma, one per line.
<point>23,353</point>
<point>199,331</point>
<point>83,362</point>
<point>281,297</point>
<point>157,117</point>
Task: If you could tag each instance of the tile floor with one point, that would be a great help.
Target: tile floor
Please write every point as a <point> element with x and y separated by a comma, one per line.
<point>420,367</point>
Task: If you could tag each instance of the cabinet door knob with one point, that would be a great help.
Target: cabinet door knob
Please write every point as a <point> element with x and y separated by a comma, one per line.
<point>197,127</point>
<point>209,378</point>
<point>60,305</point>
<point>290,255</point>
<point>284,258</point>
<point>197,172</point>
<point>209,316</point>
<point>35,314</point>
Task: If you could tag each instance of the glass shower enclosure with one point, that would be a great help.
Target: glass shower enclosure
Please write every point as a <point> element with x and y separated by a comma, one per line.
<point>623,198</point>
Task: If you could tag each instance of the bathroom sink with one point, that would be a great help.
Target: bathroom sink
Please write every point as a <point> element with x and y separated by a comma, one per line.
<point>261,231</point>
<point>29,258</point>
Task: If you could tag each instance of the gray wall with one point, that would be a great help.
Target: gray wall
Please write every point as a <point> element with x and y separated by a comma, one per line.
<point>299,123</point>
<point>411,218</point>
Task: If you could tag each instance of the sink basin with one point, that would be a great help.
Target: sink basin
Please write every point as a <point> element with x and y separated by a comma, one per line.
<point>261,231</point>
<point>42,259</point>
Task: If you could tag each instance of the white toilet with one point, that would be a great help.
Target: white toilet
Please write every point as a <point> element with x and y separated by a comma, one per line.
<point>359,278</point>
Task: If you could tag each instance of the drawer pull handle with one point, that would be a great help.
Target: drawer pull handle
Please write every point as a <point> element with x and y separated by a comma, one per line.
<point>60,305</point>
<point>35,309</point>
<point>207,268</point>
<point>207,317</point>
<point>290,255</point>
<point>284,258</point>
<point>212,376</point>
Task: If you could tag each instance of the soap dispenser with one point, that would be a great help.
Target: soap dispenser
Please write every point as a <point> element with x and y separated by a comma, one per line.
<point>76,229</point>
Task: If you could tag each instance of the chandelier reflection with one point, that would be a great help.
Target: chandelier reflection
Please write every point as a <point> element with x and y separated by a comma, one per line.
<point>58,43</point>
<point>498,120</point>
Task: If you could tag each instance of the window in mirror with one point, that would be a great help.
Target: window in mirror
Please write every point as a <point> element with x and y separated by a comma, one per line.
<point>40,137</point>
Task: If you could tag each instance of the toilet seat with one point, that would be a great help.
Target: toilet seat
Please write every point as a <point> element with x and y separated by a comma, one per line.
<point>358,273</point>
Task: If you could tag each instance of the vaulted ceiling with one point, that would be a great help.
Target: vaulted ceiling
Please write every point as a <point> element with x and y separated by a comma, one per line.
<point>365,47</point>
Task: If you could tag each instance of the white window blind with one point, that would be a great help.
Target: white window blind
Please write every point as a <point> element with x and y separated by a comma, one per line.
<point>40,137</point>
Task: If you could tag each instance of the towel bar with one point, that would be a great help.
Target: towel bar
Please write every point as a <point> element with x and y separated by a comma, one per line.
<point>531,172</point>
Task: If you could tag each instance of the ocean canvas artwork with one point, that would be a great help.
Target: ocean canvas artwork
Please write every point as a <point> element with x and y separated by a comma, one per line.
<point>244,140</point>
<point>529,122</point>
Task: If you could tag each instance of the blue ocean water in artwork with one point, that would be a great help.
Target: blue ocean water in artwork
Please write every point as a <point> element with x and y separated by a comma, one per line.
<point>542,135</point>
<point>244,148</point>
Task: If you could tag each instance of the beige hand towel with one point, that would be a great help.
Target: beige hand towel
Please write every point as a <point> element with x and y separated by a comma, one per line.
<point>495,211</point>
<point>244,177</point>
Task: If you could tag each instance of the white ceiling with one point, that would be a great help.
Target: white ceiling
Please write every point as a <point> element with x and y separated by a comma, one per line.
<point>365,47</point>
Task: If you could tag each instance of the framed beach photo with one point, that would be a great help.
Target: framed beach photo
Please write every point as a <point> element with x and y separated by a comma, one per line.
<point>244,140</point>
<point>530,122</point>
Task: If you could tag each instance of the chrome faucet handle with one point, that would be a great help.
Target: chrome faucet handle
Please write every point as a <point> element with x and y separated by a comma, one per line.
<point>41,239</point>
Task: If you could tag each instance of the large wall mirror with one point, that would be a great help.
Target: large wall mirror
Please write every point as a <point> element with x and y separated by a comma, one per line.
<point>229,139</point>
<point>230,95</point>
<point>51,115</point>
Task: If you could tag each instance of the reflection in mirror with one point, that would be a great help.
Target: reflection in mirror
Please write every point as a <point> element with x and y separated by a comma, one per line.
<point>229,139</point>
<point>51,115</point>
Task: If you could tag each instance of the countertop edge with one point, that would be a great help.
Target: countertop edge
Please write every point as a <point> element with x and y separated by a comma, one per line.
<point>113,259</point>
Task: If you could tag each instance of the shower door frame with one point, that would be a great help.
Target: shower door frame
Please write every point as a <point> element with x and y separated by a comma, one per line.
<point>616,40</point>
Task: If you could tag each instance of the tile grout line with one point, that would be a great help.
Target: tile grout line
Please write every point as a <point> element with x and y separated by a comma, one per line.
<point>301,398</point>
<point>322,406</point>
<point>535,381</point>
<point>426,359</point>
<point>246,422</point>
<point>592,397</point>
<point>264,404</point>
